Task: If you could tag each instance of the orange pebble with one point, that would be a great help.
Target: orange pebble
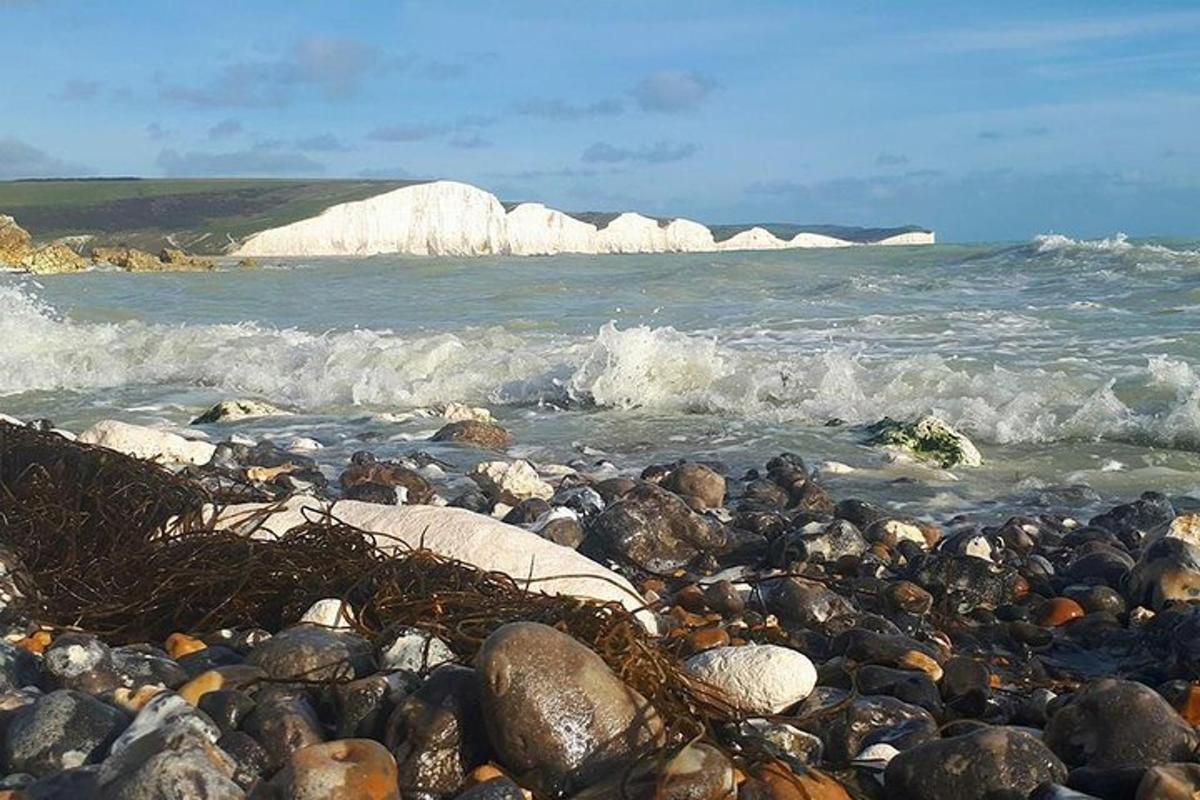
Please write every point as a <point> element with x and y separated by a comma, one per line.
<point>1059,611</point>
<point>37,642</point>
<point>180,644</point>
<point>1188,705</point>
<point>691,597</point>
<point>483,774</point>
<point>706,639</point>
<point>809,785</point>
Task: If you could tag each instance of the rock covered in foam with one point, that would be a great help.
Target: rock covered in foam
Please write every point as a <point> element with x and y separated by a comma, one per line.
<point>149,443</point>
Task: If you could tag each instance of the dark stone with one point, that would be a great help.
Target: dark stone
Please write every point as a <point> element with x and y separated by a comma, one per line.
<point>283,723</point>
<point>313,653</point>
<point>989,763</point>
<point>527,511</point>
<point>565,531</point>
<point>251,762</point>
<point>700,486</point>
<point>555,710</point>
<point>1114,723</point>
<point>654,530</point>
<point>910,686</point>
<point>437,733</point>
<point>487,435</point>
<point>377,493</point>
<point>18,668</point>
<point>81,782</point>
<point>362,707</point>
<point>226,707</point>
<point>472,500</point>
<point>142,667</point>
<point>496,789</point>
<point>846,726</point>
<point>83,662</point>
<point>210,657</point>
<point>63,729</point>
<point>169,764</point>
<point>809,604</point>
<point>1131,522</point>
<point>386,473</point>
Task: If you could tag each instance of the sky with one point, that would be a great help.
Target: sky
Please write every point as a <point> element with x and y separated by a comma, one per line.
<point>983,121</point>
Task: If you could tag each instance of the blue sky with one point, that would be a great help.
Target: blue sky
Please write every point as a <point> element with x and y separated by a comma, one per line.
<point>982,120</point>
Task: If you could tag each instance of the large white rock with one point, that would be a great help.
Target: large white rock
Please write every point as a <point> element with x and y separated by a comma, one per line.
<point>455,533</point>
<point>754,239</point>
<point>910,238</point>
<point>632,233</point>
<point>757,679</point>
<point>510,481</point>
<point>686,236</point>
<point>142,442</point>
<point>817,240</point>
<point>439,218</point>
<point>535,230</point>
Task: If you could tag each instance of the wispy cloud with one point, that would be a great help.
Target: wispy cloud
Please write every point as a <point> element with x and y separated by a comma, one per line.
<point>469,141</point>
<point>1056,33</point>
<point>657,153</point>
<point>322,143</point>
<point>225,129</point>
<point>263,159</point>
<point>407,133</point>
<point>78,89</point>
<point>672,92</point>
<point>563,110</point>
<point>998,135</point>
<point>890,160</point>
<point>334,67</point>
<point>20,159</point>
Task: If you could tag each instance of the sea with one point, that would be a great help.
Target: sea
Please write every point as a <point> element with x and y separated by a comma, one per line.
<point>1073,365</point>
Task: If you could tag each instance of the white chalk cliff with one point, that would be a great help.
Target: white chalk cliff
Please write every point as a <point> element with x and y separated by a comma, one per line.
<point>454,219</point>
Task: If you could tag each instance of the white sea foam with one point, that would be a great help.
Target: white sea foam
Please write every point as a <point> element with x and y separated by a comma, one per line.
<point>660,369</point>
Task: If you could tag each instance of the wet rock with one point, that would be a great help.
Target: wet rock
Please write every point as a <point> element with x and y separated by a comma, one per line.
<point>810,604</point>
<point>346,769</point>
<point>527,511</point>
<point>1169,569</point>
<point>766,739</point>
<point>54,259</point>
<point>63,729</point>
<point>927,439</point>
<point>1059,611</point>
<point>227,708</point>
<point>560,526</point>
<point>1132,522</point>
<point>81,782</point>
<point>79,661</point>
<point>847,725</point>
<point>18,668</point>
<point>966,583</point>
<point>905,597</point>
<point>251,763</point>
<point>234,410</point>
<point>147,666</point>
<point>697,772</point>
<point>437,733</point>
<point>235,676</point>
<point>757,679</point>
<point>700,486</point>
<point>1170,782</point>
<point>499,787</point>
<point>486,435</point>
<point>889,650</point>
<point>1115,723</point>
<point>583,500</point>
<point>366,471</point>
<point>910,686</point>
<point>552,706</point>
<point>779,782</point>
<point>832,541</point>
<point>312,653</point>
<point>974,766</point>
<point>724,598</point>
<point>167,710</point>
<point>654,530</point>
<point>414,651</point>
<point>169,764</point>
<point>283,723</point>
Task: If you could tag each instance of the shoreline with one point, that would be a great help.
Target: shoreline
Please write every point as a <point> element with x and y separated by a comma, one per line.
<point>933,637</point>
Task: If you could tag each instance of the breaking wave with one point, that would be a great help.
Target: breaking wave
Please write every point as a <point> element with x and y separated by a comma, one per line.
<point>639,367</point>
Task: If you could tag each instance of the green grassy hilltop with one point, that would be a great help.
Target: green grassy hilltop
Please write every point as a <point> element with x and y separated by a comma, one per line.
<point>199,215</point>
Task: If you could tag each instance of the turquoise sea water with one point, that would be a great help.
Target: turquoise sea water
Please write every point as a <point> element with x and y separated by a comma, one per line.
<point>1069,363</point>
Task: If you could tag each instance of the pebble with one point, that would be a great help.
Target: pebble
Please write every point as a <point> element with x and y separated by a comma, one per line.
<point>169,764</point>
<point>167,710</point>
<point>63,729</point>
<point>437,732</point>
<point>330,612</point>
<point>757,679</point>
<point>312,653</point>
<point>1170,782</point>
<point>973,766</point>
<point>415,651</point>
<point>234,676</point>
<point>283,723</point>
<point>653,529</point>
<point>553,706</point>
<point>697,772</point>
<point>486,435</point>
<point>1117,723</point>
<point>700,486</point>
<point>510,482</point>
<point>346,769</point>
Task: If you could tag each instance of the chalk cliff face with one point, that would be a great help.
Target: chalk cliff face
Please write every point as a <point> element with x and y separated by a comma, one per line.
<point>440,218</point>
<point>455,219</point>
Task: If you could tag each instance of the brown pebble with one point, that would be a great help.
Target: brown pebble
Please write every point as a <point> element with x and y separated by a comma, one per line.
<point>36,642</point>
<point>483,773</point>
<point>180,644</point>
<point>691,598</point>
<point>706,639</point>
<point>724,598</point>
<point>1059,611</point>
<point>907,597</point>
<point>916,660</point>
<point>1188,705</point>
<point>783,784</point>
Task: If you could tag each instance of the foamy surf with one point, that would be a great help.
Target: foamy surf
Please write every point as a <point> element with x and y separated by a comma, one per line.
<point>637,368</point>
